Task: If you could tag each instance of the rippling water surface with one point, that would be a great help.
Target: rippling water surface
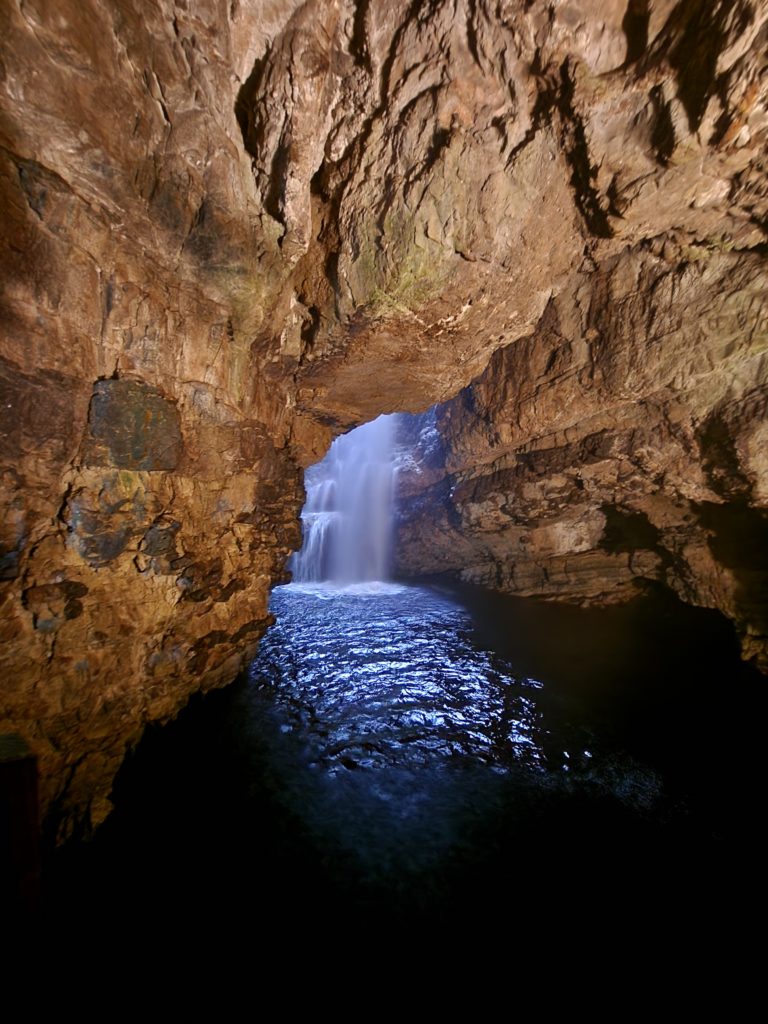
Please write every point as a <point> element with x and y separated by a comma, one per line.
<point>395,733</point>
<point>386,676</point>
<point>396,754</point>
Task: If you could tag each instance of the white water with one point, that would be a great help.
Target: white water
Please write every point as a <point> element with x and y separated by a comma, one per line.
<point>348,515</point>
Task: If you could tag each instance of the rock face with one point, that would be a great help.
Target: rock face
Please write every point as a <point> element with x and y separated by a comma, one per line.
<point>151,498</point>
<point>232,229</point>
<point>622,442</point>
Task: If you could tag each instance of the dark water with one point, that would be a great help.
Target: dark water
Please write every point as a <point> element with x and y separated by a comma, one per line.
<point>400,758</point>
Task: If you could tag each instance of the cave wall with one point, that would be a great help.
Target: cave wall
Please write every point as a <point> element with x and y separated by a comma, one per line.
<point>233,228</point>
<point>622,443</point>
<point>151,499</point>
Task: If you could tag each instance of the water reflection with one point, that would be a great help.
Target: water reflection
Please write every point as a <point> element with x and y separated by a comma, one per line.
<point>394,734</point>
<point>422,760</point>
<point>389,675</point>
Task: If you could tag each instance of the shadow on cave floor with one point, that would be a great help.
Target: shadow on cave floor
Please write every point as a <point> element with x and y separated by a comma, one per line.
<point>202,830</point>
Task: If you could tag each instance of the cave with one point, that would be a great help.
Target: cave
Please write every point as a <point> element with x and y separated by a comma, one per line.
<point>236,231</point>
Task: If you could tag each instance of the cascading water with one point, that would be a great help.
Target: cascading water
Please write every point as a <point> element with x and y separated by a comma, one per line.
<point>348,514</point>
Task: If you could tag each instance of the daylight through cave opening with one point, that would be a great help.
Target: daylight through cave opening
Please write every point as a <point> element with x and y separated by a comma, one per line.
<point>348,516</point>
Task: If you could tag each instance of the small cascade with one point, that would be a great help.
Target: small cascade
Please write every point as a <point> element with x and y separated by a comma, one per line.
<point>348,514</point>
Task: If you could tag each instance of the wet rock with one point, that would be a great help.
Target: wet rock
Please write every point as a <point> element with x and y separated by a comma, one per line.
<point>52,603</point>
<point>131,426</point>
<point>158,549</point>
<point>579,465</point>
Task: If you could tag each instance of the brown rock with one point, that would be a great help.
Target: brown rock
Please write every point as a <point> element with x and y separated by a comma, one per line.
<point>233,229</point>
<point>615,446</point>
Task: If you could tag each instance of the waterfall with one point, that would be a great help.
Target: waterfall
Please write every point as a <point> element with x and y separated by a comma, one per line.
<point>348,514</point>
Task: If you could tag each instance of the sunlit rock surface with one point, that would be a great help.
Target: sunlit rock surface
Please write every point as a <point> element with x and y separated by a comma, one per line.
<point>232,229</point>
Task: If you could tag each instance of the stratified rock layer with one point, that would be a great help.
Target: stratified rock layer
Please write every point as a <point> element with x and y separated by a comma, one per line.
<point>232,229</point>
<point>620,443</point>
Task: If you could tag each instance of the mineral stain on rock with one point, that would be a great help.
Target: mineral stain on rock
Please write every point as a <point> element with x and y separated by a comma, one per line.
<point>132,426</point>
<point>102,521</point>
<point>54,602</point>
